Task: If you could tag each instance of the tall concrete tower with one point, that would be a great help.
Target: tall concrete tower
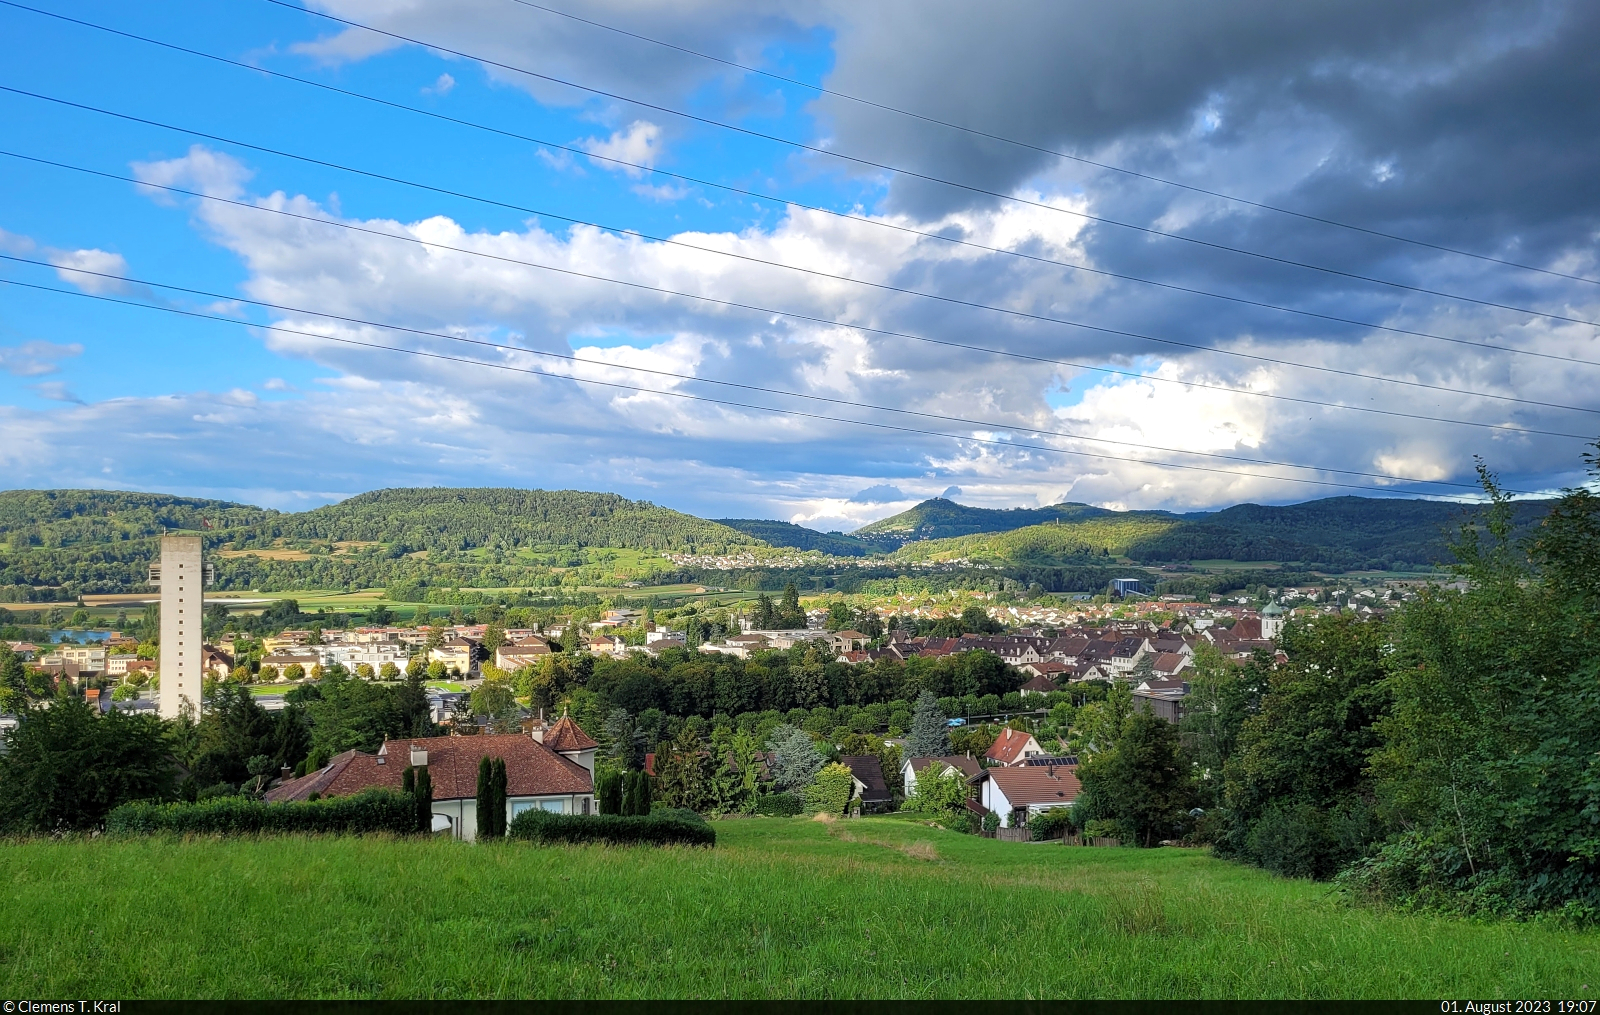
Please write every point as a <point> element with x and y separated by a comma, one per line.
<point>181,576</point>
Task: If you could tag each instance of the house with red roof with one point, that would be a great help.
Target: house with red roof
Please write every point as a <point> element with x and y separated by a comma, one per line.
<point>1017,793</point>
<point>1013,747</point>
<point>555,775</point>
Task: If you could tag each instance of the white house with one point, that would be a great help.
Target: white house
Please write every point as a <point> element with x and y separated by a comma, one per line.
<point>1016,793</point>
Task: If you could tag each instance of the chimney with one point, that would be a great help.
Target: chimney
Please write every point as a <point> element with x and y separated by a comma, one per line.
<point>419,757</point>
<point>285,773</point>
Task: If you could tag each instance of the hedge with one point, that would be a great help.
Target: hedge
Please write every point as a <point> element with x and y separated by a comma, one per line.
<point>779,805</point>
<point>374,810</point>
<point>616,829</point>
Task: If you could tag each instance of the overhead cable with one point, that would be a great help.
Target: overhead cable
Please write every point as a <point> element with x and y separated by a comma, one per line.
<point>833,153</point>
<point>1263,206</point>
<point>699,181</point>
<point>409,238</point>
<point>684,395</point>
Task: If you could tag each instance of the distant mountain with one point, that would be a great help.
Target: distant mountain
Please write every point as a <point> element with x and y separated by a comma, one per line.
<point>941,519</point>
<point>1337,532</point>
<point>101,541</point>
<point>443,518</point>
<point>775,533</point>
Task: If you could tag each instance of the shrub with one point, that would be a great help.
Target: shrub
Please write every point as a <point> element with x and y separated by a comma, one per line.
<point>991,823</point>
<point>830,791</point>
<point>662,829</point>
<point>375,810</point>
<point>779,805</point>
<point>1050,824</point>
<point>608,791</point>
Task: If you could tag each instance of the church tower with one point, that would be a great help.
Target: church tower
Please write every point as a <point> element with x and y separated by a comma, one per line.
<point>181,577</point>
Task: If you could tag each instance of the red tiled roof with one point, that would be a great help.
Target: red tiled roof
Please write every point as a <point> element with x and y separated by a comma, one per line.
<point>565,735</point>
<point>1036,784</point>
<point>532,769</point>
<point>1008,746</point>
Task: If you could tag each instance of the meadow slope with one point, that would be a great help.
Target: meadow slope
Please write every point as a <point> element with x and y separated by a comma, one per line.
<point>875,908</point>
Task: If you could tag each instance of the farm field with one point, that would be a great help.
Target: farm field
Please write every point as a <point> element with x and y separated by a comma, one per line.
<point>872,908</point>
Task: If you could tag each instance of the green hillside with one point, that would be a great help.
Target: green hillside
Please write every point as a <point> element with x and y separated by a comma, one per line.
<point>775,533</point>
<point>440,518</point>
<point>1337,532</point>
<point>1045,545</point>
<point>940,519</point>
<point>102,541</point>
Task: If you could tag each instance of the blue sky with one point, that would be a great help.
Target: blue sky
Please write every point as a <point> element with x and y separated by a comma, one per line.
<point>1373,128</point>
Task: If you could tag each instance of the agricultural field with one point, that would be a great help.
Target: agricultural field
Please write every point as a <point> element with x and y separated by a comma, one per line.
<point>780,908</point>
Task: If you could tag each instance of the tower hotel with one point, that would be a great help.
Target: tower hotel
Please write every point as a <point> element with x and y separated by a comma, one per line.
<point>181,576</point>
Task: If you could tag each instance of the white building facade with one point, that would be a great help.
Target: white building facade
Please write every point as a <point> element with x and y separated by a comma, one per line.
<point>181,577</point>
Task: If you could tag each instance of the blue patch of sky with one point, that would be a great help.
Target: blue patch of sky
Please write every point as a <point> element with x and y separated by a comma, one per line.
<point>134,352</point>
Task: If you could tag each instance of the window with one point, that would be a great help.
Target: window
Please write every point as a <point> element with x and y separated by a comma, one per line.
<point>520,806</point>
<point>553,806</point>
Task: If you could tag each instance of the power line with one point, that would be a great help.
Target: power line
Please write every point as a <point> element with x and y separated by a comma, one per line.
<point>854,327</point>
<point>503,347</point>
<point>1053,152</point>
<point>680,394</point>
<point>1024,315</point>
<point>849,216</point>
<point>923,176</point>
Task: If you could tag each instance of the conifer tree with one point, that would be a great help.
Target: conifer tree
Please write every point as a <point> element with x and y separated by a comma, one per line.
<point>485,798</point>
<point>424,793</point>
<point>498,782</point>
<point>930,737</point>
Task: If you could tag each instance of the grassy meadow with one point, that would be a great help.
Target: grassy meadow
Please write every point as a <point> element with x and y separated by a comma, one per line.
<point>783,908</point>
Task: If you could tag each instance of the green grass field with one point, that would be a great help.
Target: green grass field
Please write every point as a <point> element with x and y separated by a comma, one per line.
<point>874,908</point>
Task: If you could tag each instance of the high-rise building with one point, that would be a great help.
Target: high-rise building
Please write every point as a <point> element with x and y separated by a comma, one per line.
<point>181,577</point>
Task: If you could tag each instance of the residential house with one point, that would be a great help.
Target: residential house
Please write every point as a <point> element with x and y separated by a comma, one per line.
<point>516,655</point>
<point>1162,698</point>
<point>1049,668</point>
<point>458,655</point>
<point>1013,747</point>
<point>283,660</point>
<point>912,768</point>
<point>609,645</point>
<point>117,663</point>
<point>556,775</point>
<point>215,662</point>
<point>1016,793</point>
<point>25,650</point>
<point>1170,664</point>
<point>1039,685</point>
<point>1126,653</point>
<point>89,658</point>
<point>848,641</point>
<point>868,785</point>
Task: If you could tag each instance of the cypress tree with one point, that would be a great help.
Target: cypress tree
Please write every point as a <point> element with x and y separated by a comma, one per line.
<point>408,780</point>
<point>424,801</point>
<point>485,798</point>
<point>498,778</point>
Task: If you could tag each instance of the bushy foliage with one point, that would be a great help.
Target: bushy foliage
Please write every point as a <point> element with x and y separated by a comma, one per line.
<point>662,829</point>
<point>1298,797</point>
<point>66,767</point>
<point>830,791</point>
<point>1051,824</point>
<point>938,792</point>
<point>1141,783</point>
<point>374,810</point>
<point>779,805</point>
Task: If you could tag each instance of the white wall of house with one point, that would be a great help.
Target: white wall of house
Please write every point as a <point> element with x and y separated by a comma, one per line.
<point>463,813</point>
<point>994,799</point>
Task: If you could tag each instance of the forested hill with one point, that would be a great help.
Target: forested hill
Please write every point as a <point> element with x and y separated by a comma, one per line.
<point>439,518</point>
<point>776,533</point>
<point>58,518</point>
<point>940,519</point>
<point>1338,532</point>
